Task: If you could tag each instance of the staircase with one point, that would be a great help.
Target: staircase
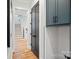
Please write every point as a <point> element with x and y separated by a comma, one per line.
<point>18,32</point>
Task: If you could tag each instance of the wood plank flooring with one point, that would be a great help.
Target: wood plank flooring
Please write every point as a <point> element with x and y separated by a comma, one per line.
<point>21,51</point>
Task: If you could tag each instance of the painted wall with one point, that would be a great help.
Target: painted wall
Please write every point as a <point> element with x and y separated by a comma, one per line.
<point>23,3</point>
<point>57,42</point>
<point>26,24</point>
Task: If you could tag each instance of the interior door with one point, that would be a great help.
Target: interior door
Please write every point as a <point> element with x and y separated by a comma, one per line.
<point>35,29</point>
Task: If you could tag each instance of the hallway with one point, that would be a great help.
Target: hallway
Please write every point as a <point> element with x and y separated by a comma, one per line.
<point>36,32</point>
<point>23,43</point>
<point>22,52</point>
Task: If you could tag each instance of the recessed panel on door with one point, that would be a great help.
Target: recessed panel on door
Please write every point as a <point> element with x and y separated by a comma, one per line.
<point>33,38</point>
<point>64,11</point>
<point>37,28</point>
<point>50,11</point>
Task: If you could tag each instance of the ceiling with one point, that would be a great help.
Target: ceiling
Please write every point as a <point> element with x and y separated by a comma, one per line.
<point>21,7</point>
<point>20,15</point>
<point>23,3</point>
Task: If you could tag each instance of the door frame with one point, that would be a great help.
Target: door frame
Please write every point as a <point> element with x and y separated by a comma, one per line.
<point>8,23</point>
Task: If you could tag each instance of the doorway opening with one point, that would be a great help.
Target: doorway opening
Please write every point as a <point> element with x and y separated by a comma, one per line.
<point>24,45</point>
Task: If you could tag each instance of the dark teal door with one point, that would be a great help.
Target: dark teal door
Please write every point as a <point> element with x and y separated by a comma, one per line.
<point>35,29</point>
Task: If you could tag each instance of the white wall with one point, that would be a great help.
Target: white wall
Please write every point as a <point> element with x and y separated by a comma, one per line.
<point>26,24</point>
<point>23,3</point>
<point>57,42</point>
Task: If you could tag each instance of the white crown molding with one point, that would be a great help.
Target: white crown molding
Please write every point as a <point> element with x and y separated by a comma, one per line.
<point>20,8</point>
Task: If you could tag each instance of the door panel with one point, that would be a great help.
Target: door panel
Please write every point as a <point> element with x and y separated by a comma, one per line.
<point>33,29</point>
<point>64,14</point>
<point>37,29</point>
<point>50,11</point>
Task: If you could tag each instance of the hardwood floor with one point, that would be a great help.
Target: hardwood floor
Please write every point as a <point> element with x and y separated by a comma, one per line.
<point>21,51</point>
